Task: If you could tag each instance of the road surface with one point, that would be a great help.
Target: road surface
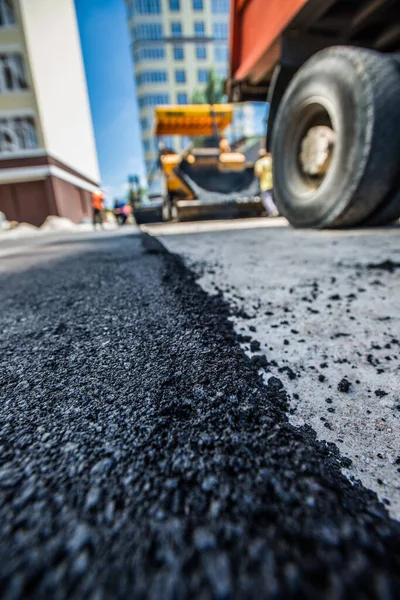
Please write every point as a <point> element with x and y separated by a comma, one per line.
<point>144,456</point>
<point>323,308</point>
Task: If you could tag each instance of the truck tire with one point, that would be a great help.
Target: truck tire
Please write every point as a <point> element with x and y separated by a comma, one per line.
<point>336,140</point>
<point>386,213</point>
<point>389,211</point>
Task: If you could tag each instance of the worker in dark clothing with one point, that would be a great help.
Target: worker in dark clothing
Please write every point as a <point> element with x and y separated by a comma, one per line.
<point>119,211</point>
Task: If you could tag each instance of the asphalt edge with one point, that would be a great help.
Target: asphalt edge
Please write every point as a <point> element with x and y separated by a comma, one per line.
<point>330,451</point>
<point>152,244</point>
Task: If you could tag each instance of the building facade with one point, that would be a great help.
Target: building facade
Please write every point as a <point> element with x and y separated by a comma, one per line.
<point>174,45</point>
<point>48,160</point>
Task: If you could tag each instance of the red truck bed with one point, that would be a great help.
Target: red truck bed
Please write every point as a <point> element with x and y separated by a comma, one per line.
<point>261,28</point>
<point>256,26</point>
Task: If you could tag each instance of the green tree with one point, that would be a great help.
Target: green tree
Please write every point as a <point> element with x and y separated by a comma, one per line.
<point>212,92</point>
<point>199,96</point>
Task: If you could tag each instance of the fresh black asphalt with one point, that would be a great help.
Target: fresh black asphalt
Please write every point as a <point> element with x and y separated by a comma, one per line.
<point>142,457</point>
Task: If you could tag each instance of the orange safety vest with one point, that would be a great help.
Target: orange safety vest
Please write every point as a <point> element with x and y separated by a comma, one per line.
<point>97,200</point>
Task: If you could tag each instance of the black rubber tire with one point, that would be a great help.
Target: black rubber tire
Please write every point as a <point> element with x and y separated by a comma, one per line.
<point>386,213</point>
<point>389,210</point>
<point>359,90</point>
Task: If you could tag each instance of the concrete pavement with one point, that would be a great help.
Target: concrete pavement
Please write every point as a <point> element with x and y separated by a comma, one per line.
<point>317,305</point>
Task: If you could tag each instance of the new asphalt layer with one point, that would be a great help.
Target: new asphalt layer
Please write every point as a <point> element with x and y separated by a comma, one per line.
<point>142,456</point>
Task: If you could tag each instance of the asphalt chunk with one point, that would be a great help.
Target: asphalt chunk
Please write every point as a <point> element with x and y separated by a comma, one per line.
<point>142,455</point>
<point>344,385</point>
<point>386,265</point>
<point>255,346</point>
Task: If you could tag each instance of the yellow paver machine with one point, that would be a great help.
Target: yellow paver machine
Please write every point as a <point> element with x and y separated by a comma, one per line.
<point>206,180</point>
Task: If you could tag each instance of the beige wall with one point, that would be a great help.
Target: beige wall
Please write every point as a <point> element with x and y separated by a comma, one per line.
<point>56,65</point>
<point>11,35</point>
<point>20,101</point>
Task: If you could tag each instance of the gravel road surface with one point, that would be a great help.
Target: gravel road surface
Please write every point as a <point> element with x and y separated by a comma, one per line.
<point>143,456</point>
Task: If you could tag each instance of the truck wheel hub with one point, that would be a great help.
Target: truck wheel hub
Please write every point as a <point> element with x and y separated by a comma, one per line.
<point>316,150</point>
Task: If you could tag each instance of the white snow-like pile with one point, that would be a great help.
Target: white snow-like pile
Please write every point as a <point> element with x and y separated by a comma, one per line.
<point>53,223</point>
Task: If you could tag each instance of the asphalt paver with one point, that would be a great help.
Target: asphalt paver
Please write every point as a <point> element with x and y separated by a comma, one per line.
<point>142,456</point>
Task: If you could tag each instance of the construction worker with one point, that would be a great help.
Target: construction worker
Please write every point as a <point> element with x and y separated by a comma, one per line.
<point>263,170</point>
<point>98,207</point>
<point>224,145</point>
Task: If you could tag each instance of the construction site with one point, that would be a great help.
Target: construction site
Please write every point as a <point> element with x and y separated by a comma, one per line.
<point>201,400</point>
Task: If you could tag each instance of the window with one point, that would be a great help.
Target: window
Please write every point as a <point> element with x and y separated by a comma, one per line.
<point>151,77</point>
<point>129,9</point>
<point>17,133</point>
<point>153,100</point>
<point>148,145</point>
<point>176,29</point>
<point>220,31</point>
<point>185,140</point>
<point>199,29</point>
<point>148,7</point>
<point>12,73</point>
<point>145,123</point>
<point>182,98</point>
<point>168,141</point>
<point>202,75</point>
<point>174,5</point>
<point>147,31</point>
<point>197,4</point>
<point>180,76</point>
<point>149,165</point>
<point>221,53</point>
<point>201,52</point>
<point>179,53</point>
<point>220,7</point>
<point>153,53</point>
<point>7,16</point>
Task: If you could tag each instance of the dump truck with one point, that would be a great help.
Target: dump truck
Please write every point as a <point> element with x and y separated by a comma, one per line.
<point>330,70</point>
<point>210,179</point>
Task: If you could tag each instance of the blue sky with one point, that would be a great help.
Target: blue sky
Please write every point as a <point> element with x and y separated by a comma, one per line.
<point>106,52</point>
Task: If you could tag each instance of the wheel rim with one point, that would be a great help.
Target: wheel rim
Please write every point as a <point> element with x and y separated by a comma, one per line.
<point>309,147</point>
<point>316,151</point>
